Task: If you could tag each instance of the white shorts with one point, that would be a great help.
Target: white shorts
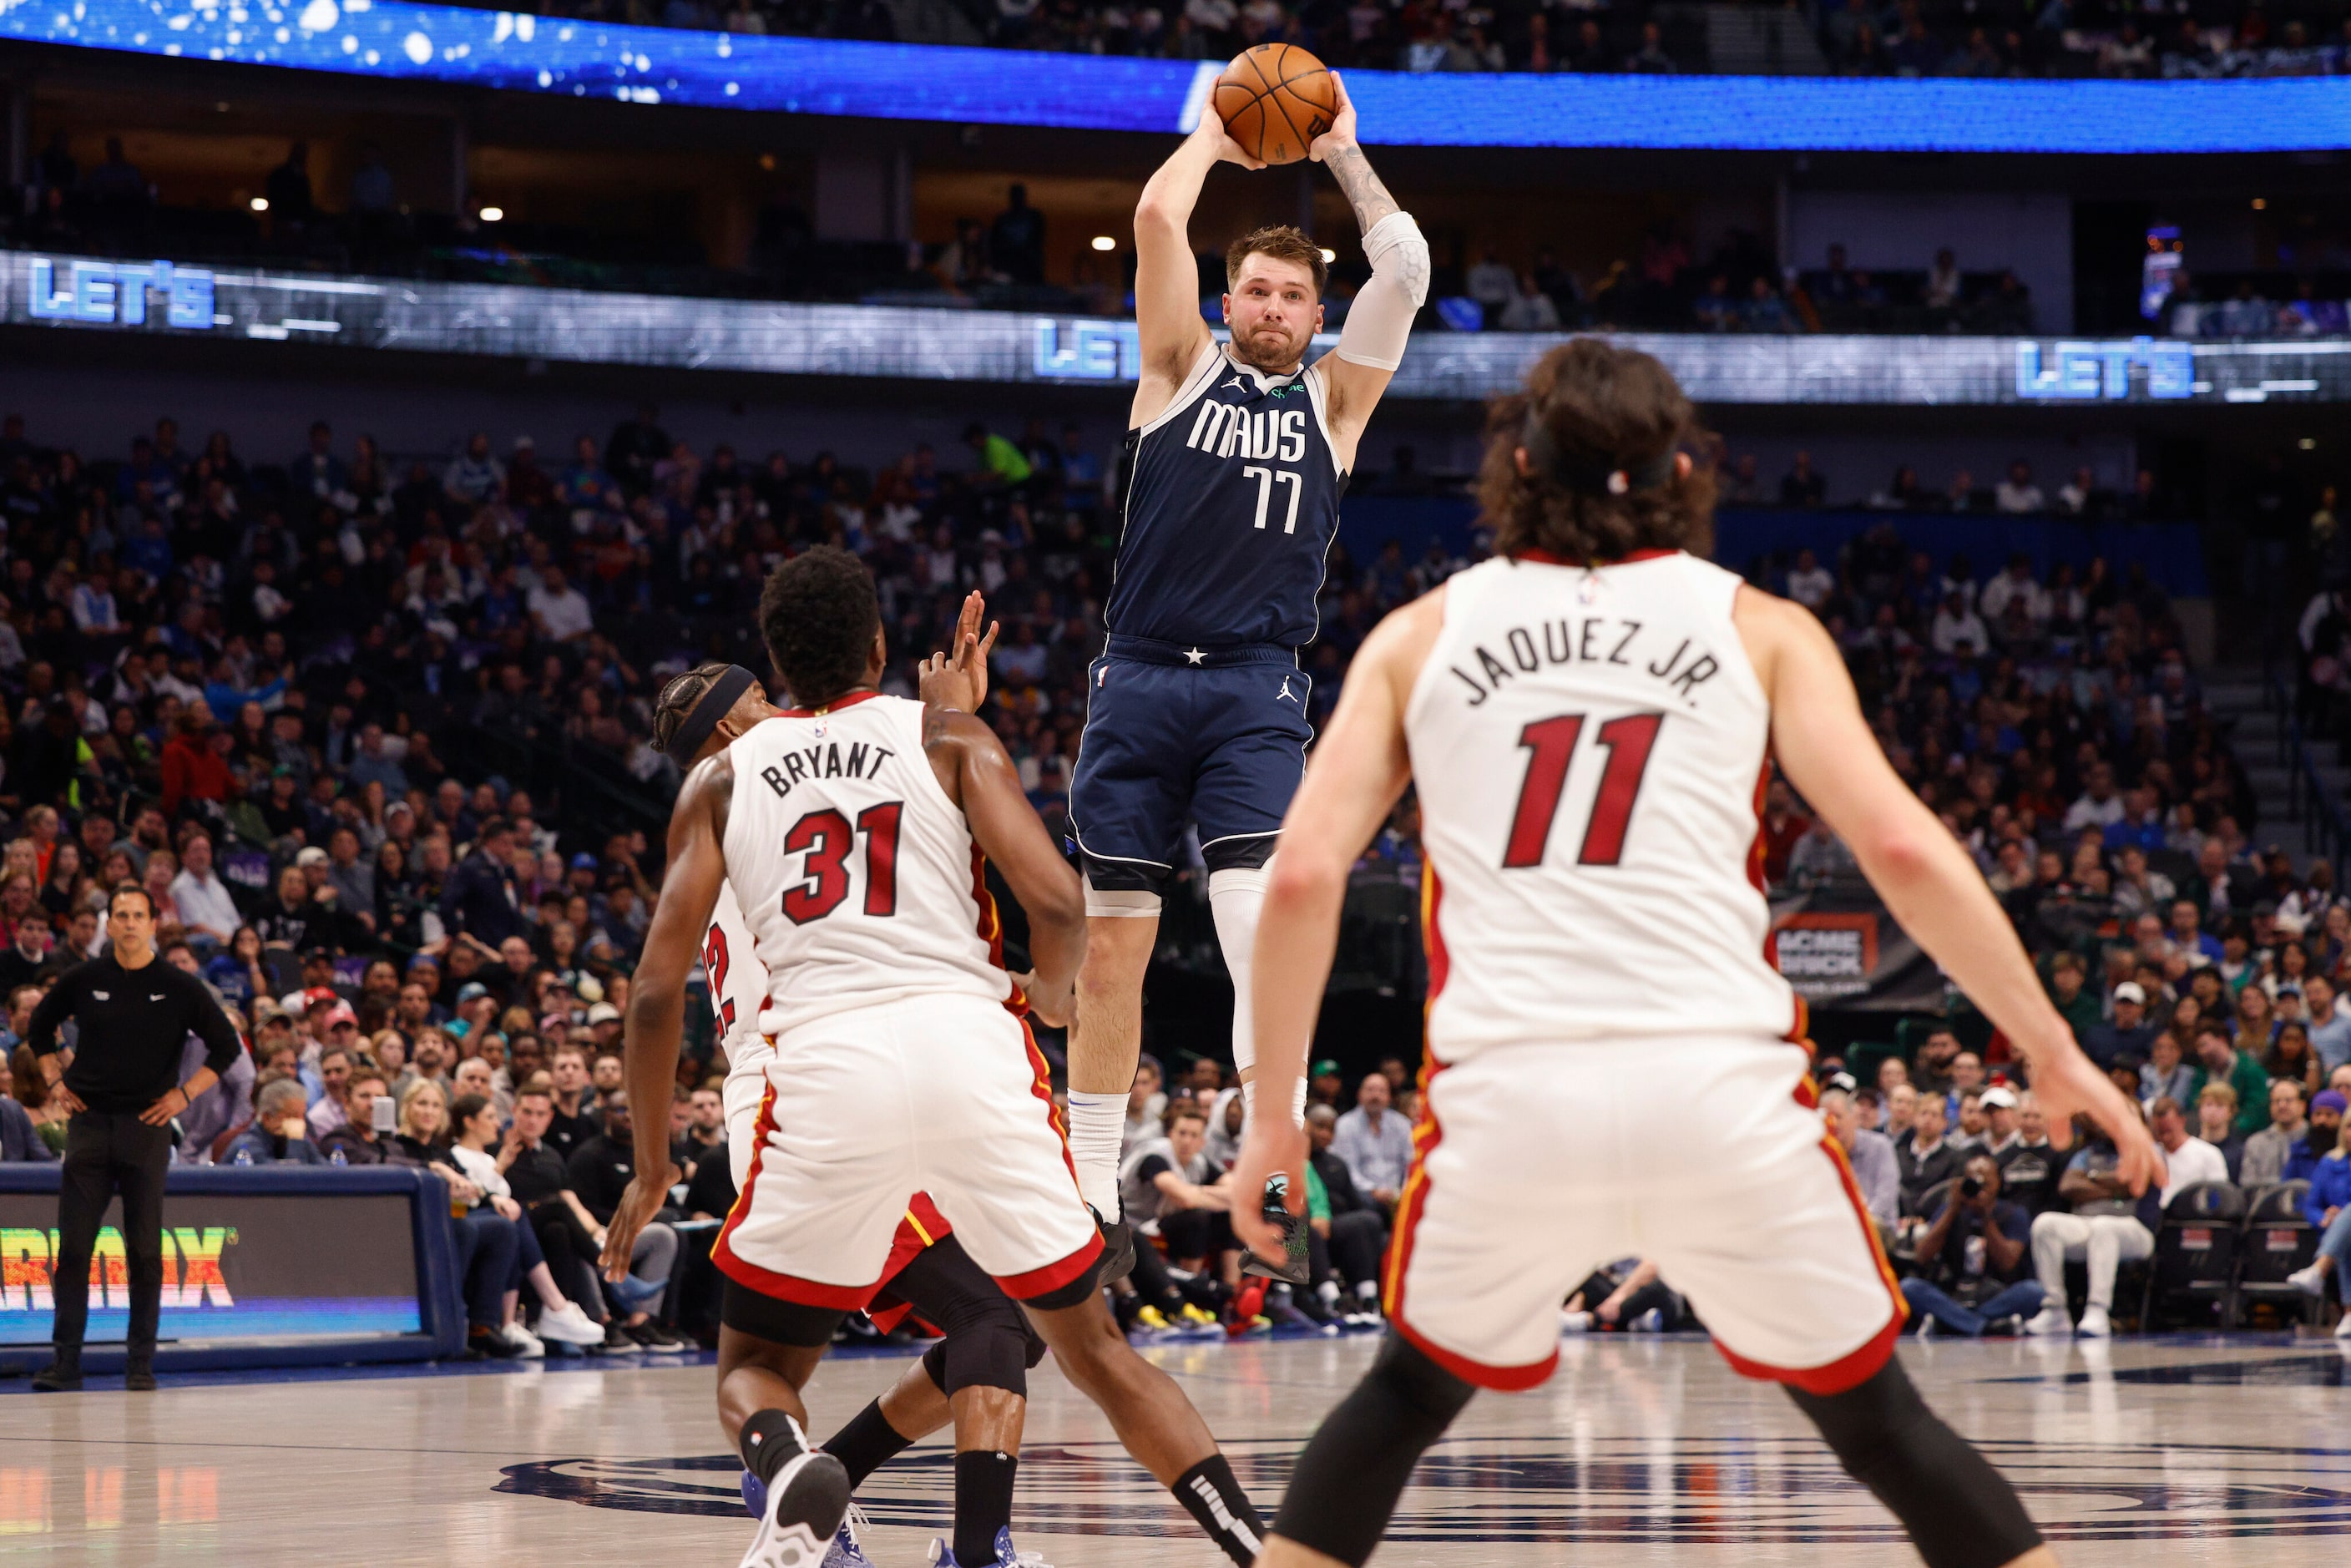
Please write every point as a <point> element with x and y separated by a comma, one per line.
<point>946,1095</point>
<point>1536,1164</point>
<point>746,1085</point>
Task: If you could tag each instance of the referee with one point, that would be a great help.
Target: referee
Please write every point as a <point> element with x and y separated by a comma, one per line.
<point>135,1015</point>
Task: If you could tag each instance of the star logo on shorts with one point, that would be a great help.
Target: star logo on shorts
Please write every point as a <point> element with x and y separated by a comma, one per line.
<point>1195,657</point>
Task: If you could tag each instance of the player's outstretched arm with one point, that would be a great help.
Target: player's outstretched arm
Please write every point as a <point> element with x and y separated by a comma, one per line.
<point>974,767</point>
<point>656,1019</point>
<point>1358,769</point>
<point>1166,280</point>
<point>1379,321</point>
<point>1928,883</point>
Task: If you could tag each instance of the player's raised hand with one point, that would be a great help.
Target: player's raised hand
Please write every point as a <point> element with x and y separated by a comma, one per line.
<point>2070,1085</point>
<point>646,1193</point>
<point>958,679</point>
<point>1211,132</point>
<point>1343,129</point>
<point>1271,1145</point>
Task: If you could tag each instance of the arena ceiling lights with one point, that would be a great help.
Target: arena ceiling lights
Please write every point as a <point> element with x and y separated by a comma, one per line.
<point>392,38</point>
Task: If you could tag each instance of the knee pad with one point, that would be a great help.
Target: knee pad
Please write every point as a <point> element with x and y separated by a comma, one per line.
<point>992,1349</point>
<point>1348,1480</point>
<point>1959,1511</point>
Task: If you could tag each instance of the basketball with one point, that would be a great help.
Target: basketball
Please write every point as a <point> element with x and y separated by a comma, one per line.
<point>1275,100</point>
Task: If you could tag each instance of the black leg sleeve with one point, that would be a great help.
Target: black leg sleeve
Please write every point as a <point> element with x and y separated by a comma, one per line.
<point>84,1189</point>
<point>1960,1512</point>
<point>1347,1481</point>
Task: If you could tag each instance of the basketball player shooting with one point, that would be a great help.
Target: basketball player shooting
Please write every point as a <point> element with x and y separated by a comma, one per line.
<point>1197,710</point>
<point>851,828</point>
<point>1587,718</point>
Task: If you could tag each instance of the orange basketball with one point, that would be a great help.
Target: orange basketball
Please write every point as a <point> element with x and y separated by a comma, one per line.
<point>1275,100</point>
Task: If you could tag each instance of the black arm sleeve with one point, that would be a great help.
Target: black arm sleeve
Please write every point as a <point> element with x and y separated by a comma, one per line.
<point>211,1025</point>
<point>55,1008</point>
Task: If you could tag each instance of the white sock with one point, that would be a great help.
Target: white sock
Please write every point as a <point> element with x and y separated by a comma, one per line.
<point>1097,1127</point>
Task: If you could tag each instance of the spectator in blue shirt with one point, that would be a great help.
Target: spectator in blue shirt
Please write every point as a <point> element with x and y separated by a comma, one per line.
<point>1376,1142</point>
<point>2327,1205</point>
<point>2330,1031</point>
<point>2141,823</point>
<point>2187,931</point>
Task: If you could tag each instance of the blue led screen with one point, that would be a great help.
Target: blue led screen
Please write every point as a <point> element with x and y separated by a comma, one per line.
<point>904,81</point>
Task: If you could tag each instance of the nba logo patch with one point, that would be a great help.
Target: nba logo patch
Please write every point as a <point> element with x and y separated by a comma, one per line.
<point>822,726</point>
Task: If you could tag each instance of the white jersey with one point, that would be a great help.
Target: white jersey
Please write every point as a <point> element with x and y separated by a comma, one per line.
<point>856,873</point>
<point>1588,745</point>
<point>738,981</point>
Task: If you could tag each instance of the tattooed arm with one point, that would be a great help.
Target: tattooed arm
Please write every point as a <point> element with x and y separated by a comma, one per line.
<point>1379,323</point>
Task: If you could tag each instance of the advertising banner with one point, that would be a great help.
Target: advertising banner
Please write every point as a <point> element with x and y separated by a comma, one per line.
<point>159,296</point>
<point>1845,952</point>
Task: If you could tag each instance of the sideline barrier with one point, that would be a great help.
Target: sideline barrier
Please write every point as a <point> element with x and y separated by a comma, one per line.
<point>263,1266</point>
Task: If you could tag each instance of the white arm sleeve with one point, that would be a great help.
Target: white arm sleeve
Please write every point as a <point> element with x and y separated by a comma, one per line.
<point>1380,320</point>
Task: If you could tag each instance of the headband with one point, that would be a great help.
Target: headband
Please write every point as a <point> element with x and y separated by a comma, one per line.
<point>1545,456</point>
<point>710,708</point>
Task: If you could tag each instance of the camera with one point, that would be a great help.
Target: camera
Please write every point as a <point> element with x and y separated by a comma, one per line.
<point>1971,1187</point>
<point>382,1113</point>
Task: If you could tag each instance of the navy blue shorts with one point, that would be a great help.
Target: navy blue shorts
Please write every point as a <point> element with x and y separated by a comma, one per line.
<point>1169,744</point>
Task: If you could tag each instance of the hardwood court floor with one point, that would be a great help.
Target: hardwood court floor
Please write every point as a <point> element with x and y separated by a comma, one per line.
<point>1641,1452</point>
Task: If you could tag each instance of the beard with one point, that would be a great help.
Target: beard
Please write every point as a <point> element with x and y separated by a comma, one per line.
<point>1271,351</point>
<point>2322,1138</point>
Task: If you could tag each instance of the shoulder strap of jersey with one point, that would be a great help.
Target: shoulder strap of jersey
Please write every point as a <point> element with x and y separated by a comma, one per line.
<point>1196,381</point>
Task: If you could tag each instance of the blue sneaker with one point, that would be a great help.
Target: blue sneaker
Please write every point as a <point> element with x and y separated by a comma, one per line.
<point>755,1495</point>
<point>803,1511</point>
<point>1007,1554</point>
<point>847,1550</point>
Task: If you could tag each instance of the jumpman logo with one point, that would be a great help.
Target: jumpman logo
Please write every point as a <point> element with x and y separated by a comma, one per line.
<point>1236,381</point>
<point>1285,694</point>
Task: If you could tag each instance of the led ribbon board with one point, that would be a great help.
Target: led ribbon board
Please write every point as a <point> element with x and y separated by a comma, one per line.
<point>523,53</point>
<point>159,296</point>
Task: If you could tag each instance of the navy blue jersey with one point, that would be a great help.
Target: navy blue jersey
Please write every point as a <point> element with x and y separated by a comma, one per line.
<point>1232,498</point>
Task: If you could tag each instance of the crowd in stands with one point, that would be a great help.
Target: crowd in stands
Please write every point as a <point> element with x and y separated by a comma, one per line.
<point>1002,262</point>
<point>295,698</point>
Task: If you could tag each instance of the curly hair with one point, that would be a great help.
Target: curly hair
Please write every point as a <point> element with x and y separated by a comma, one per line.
<point>1595,410</point>
<point>819,615</point>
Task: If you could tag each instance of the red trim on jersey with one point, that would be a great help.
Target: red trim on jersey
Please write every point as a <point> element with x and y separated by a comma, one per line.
<point>1410,1207</point>
<point>1052,1275</point>
<point>767,1281</point>
<point>851,700</point>
<point>1553,557</point>
<point>1502,1379</point>
<point>1857,1367</point>
<point>1432,935</point>
<point>921,1230</point>
<point>991,930</point>
<point>1800,1027</point>
<point>1755,851</point>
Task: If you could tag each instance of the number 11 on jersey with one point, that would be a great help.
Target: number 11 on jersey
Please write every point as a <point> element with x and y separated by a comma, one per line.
<point>1550,744</point>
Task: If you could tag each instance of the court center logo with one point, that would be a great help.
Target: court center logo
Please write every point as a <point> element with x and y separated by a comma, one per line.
<point>1618,1490</point>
